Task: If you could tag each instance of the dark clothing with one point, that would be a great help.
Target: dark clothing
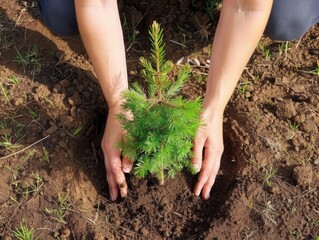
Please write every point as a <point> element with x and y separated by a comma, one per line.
<point>289,19</point>
<point>59,16</point>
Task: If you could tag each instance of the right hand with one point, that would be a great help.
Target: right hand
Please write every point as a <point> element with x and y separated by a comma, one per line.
<point>115,166</point>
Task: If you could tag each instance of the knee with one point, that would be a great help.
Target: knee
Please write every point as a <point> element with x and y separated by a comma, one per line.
<point>59,16</point>
<point>284,33</point>
<point>289,20</point>
<point>285,30</point>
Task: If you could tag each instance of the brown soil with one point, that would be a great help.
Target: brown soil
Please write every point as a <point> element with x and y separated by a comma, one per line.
<point>267,187</point>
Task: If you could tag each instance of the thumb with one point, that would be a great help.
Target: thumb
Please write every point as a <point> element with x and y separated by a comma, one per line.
<point>127,165</point>
<point>198,154</point>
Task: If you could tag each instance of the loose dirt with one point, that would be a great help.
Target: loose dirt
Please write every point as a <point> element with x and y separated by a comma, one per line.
<point>53,112</point>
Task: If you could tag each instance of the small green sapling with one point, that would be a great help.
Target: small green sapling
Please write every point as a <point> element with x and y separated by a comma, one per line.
<point>162,125</point>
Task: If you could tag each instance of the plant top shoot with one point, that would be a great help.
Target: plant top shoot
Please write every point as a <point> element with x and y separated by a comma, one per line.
<point>162,125</point>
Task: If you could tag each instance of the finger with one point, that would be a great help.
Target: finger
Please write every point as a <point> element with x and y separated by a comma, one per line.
<point>127,165</point>
<point>202,178</point>
<point>210,169</point>
<point>208,166</point>
<point>115,176</point>
<point>116,171</point>
<point>208,186</point>
<point>113,189</point>
<point>198,154</point>
<point>211,180</point>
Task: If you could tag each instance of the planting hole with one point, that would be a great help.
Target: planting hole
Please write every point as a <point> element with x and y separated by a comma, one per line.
<point>170,210</point>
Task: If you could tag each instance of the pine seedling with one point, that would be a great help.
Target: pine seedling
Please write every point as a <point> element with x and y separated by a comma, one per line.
<point>162,125</point>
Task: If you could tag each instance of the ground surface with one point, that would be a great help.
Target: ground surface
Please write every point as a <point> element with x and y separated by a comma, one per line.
<point>267,187</point>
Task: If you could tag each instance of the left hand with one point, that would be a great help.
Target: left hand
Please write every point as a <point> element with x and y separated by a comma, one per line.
<point>210,139</point>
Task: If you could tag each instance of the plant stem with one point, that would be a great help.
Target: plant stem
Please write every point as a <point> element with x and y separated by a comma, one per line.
<point>161,177</point>
<point>158,101</point>
<point>157,57</point>
<point>162,181</point>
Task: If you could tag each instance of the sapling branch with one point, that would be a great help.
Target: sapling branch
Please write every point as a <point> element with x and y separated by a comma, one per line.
<point>156,42</point>
<point>160,131</point>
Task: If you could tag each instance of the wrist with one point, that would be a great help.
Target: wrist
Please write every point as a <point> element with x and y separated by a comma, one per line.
<point>213,109</point>
<point>115,101</point>
<point>115,106</point>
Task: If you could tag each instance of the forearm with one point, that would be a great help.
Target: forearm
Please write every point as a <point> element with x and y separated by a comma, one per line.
<point>101,32</point>
<point>239,30</point>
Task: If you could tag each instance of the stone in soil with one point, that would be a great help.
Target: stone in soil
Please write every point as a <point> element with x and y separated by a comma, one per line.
<point>285,110</point>
<point>303,175</point>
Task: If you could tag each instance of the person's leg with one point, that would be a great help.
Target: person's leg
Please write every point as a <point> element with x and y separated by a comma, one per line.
<point>291,19</point>
<point>59,16</point>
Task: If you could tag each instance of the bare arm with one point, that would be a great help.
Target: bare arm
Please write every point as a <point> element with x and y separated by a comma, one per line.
<point>240,27</point>
<point>239,30</point>
<point>101,32</point>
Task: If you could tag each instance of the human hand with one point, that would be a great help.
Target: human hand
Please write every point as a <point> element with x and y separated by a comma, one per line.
<point>115,166</point>
<point>208,149</point>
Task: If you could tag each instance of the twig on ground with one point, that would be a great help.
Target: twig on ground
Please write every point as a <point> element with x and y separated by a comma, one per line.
<point>250,74</point>
<point>313,111</point>
<point>20,14</point>
<point>178,214</point>
<point>22,150</point>
<point>180,44</point>
<point>91,76</point>
<point>298,43</point>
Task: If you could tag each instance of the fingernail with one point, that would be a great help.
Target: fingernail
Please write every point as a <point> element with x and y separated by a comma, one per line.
<point>126,169</point>
<point>123,189</point>
<point>123,193</point>
<point>207,196</point>
<point>196,167</point>
<point>196,193</point>
<point>112,199</point>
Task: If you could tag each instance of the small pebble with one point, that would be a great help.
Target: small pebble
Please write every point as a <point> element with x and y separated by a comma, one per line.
<point>71,101</point>
<point>66,119</point>
<point>144,231</point>
<point>255,98</point>
<point>52,129</point>
<point>56,234</point>
<point>27,182</point>
<point>66,232</point>
<point>17,101</point>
